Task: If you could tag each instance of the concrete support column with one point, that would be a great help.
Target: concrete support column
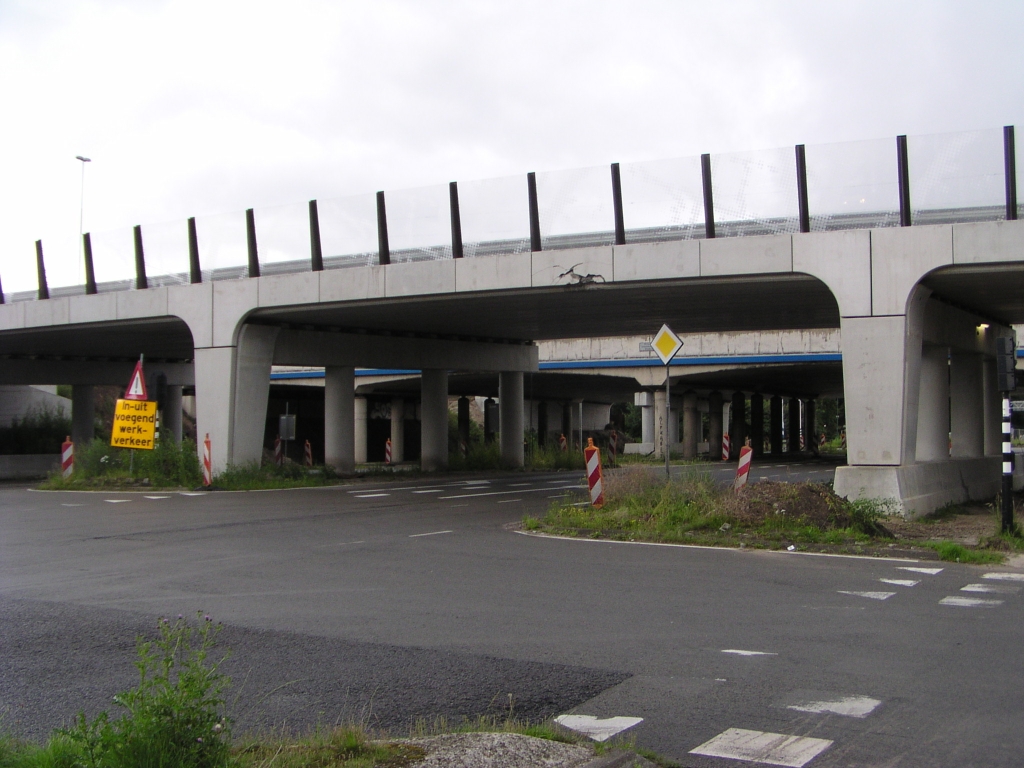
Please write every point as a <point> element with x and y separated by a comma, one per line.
<point>673,426</point>
<point>757,424</point>
<point>359,430</point>
<point>661,431</point>
<point>397,430</point>
<point>737,426</point>
<point>83,414</point>
<point>933,405</point>
<point>542,423</point>
<point>489,425</point>
<point>775,424</point>
<point>172,413</point>
<point>993,408</point>
<point>339,418</point>
<point>691,425</point>
<point>434,420</point>
<point>794,425</point>
<point>715,426</point>
<point>232,389</point>
<point>464,422</point>
<point>967,406</point>
<point>510,416</point>
<point>810,433</point>
<point>646,402</point>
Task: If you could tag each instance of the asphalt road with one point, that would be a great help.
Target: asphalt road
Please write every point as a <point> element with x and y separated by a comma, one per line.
<point>395,601</point>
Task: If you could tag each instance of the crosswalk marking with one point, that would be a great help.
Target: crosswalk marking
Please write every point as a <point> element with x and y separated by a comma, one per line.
<point>870,595</point>
<point>599,729</point>
<point>1004,576</point>
<point>998,588</point>
<point>763,747</point>
<point>969,602</point>
<point>929,571</point>
<point>901,582</point>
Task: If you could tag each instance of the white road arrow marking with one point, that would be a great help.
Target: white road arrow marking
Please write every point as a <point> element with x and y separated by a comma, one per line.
<point>929,571</point>
<point>850,706</point>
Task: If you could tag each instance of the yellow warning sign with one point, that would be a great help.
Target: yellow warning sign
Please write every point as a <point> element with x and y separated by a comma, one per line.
<point>134,424</point>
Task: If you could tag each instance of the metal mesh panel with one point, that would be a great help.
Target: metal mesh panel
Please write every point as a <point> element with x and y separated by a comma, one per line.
<point>282,238</point>
<point>419,224</point>
<point>495,215</point>
<point>755,192</point>
<point>348,231</point>
<point>853,185</point>
<point>113,259</point>
<point>576,208</point>
<point>957,177</point>
<point>662,200</point>
<point>166,248</point>
<point>223,251</point>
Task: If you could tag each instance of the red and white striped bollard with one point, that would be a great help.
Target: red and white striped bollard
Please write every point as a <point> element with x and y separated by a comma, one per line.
<point>308,455</point>
<point>278,454</point>
<point>592,454</point>
<point>743,468</point>
<point>67,458</point>
<point>207,461</point>
<point>726,447</point>
<point>387,451</point>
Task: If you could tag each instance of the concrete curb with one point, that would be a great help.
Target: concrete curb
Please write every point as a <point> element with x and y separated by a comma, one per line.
<point>619,759</point>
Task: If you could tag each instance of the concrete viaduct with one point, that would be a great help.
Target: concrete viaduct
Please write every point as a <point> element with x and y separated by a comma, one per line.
<point>918,310</point>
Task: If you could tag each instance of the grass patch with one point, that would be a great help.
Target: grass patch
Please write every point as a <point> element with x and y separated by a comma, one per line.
<point>97,465</point>
<point>958,553</point>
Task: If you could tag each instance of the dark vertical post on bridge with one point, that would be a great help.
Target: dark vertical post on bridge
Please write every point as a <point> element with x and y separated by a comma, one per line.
<point>250,240</point>
<point>316,254</point>
<point>195,274</point>
<point>140,260</point>
<point>2,293</point>
<point>709,198</point>
<point>531,188</point>
<point>1010,172</point>
<point>801,188</point>
<point>90,271</point>
<point>44,289</point>
<point>453,200</point>
<point>383,251</point>
<point>620,224</point>
<point>903,171</point>
<point>1006,376</point>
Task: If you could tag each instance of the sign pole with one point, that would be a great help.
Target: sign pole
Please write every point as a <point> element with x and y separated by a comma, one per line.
<point>1007,495</point>
<point>668,413</point>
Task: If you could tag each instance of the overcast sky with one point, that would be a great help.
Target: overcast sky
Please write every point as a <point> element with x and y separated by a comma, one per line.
<point>192,107</point>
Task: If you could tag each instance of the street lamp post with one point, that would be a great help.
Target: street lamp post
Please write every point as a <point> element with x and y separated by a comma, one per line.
<point>81,214</point>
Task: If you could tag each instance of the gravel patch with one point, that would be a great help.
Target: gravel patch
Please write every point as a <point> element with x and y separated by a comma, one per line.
<point>500,750</point>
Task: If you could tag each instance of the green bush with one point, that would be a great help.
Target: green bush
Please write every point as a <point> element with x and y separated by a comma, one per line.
<point>40,431</point>
<point>173,717</point>
<point>97,464</point>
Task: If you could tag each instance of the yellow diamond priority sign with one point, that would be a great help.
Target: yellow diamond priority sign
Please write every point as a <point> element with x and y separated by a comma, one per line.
<point>666,344</point>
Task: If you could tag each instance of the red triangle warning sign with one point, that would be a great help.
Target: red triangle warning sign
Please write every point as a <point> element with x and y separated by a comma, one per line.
<point>136,385</point>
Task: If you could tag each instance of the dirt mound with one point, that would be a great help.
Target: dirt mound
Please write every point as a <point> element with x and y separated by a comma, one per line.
<point>814,503</point>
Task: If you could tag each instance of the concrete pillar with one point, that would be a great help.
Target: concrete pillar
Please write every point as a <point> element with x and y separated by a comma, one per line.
<point>510,415</point>
<point>775,424</point>
<point>232,389</point>
<point>673,426</point>
<point>489,426</point>
<point>646,402</point>
<point>757,424</point>
<point>339,418</point>
<point>83,414</point>
<point>810,432</point>
<point>967,406</point>
<point>992,408</point>
<point>359,430</point>
<point>794,425</point>
<point>933,405</point>
<point>397,430</point>
<point>661,431</point>
<point>738,424</point>
<point>715,426</point>
<point>542,423</point>
<point>691,425</point>
<point>172,413</point>
<point>464,422</point>
<point>434,420</point>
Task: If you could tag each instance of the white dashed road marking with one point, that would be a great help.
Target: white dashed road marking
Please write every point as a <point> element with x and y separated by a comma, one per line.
<point>1004,576</point>
<point>738,652</point>
<point>158,497</point>
<point>432,533</point>
<point>969,602</point>
<point>117,501</point>
<point>370,495</point>
<point>518,485</point>
<point>508,501</point>
<point>190,493</point>
<point>850,706</point>
<point>502,493</point>
<point>430,490</point>
<point>870,595</point>
<point>929,571</point>
<point>599,729</point>
<point>72,505</point>
<point>901,582</point>
<point>998,588</point>
<point>762,747</point>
